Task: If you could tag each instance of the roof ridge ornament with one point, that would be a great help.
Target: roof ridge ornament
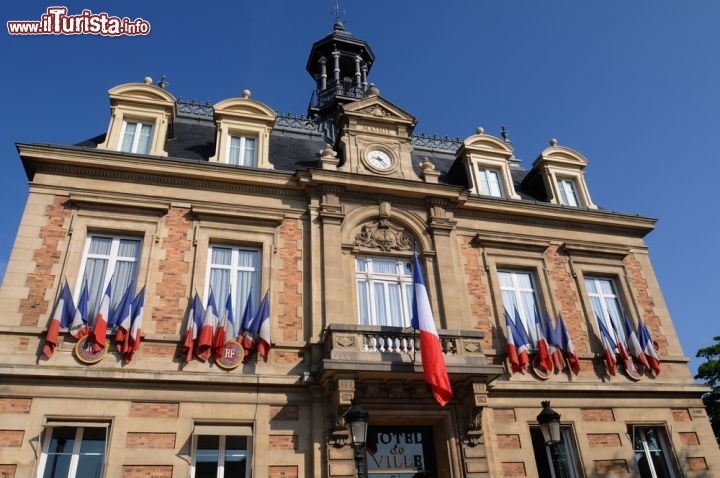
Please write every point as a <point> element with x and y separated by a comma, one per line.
<point>338,25</point>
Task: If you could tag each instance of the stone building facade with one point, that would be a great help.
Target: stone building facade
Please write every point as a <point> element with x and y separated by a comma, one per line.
<point>327,209</point>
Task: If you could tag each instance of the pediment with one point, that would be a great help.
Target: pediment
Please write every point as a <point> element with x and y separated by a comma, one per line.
<point>141,92</point>
<point>378,108</point>
<point>245,108</point>
<point>562,155</point>
<point>485,143</point>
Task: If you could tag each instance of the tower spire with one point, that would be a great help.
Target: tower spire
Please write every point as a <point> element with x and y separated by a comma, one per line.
<point>338,20</point>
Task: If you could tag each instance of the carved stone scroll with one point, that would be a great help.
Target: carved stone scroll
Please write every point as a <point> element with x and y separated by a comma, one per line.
<point>385,236</point>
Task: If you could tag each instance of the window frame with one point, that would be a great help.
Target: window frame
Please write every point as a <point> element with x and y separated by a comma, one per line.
<point>561,183</point>
<point>605,316</point>
<point>234,268</point>
<point>243,137</point>
<point>373,277</point>
<point>112,259</point>
<point>136,135</point>
<point>482,170</point>
<point>221,455</point>
<point>572,452</point>
<point>529,326</point>
<point>75,454</point>
<point>665,444</point>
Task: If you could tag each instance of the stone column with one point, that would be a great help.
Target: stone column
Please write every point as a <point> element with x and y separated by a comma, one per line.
<point>336,69</point>
<point>364,70</point>
<point>323,73</point>
<point>331,216</point>
<point>358,81</point>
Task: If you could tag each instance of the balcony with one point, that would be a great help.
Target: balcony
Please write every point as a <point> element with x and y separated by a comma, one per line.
<point>376,350</point>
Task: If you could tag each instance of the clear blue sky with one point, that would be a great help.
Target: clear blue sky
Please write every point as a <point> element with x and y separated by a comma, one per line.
<point>634,86</point>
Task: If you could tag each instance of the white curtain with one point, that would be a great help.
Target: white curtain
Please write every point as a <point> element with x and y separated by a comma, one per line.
<point>144,142</point>
<point>128,137</point>
<point>363,302</point>
<point>395,301</point>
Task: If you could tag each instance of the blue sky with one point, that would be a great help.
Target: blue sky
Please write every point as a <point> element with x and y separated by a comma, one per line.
<point>634,86</point>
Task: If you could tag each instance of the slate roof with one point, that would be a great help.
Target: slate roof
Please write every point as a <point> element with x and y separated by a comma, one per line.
<point>295,143</point>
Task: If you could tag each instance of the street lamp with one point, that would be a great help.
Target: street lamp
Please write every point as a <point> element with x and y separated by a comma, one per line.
<point>549,421</point>
<point>357,421</point>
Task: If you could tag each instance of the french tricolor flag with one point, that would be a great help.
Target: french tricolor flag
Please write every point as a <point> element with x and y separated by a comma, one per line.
<point>543,352</point>
<point>124,321</point>
<point>207,330</point>
<point>567,345</point>
<point>136,329</point>
<point>433,361</point>
<point>261,327</point>
<point>648,347</point>
<point>512,352</point>
<point>608,346</point>
<point>226,329</point>
<point>98,336</point>
<point>522,341</point>
<point>634,347</point>
<point>554,343</point>
<point>64,311</point>
<point>79,327</point>
<point>245,326</point>
<point>192,326</point>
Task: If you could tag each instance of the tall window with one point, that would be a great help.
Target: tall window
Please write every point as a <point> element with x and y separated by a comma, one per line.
<point>567,457</point>
<point>652,452</point>
<point>605,303</point>
<point>518,292</point>
<point>73,452</point>
<point>136,137</point>
<point>221,452</point>
<point>242,151</point>
<point>385,290</point>
<point>235,269</point>
<point>568,192</point>
<point>107,257</point>
<point>489,182</point>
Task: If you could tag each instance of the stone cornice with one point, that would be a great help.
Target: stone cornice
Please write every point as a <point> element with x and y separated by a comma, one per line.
<point>219,177</point>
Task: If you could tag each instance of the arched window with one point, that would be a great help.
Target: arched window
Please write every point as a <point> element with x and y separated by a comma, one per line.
<point>384,288</point>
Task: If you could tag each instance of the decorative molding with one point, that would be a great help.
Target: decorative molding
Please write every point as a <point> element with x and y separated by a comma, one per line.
<point>118,202</point>
<point>594,249</point>
<point>385,236</point>
<point>508,241</point>
<point>240,214</point>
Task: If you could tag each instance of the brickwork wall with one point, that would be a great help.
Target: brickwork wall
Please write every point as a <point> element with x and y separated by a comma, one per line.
<point>480,313</point>
<point>36,307</point>
<point>150,440</point>
<point>598,415</point>
<point>504,414</point>
<point>283,442</point>
<point>697,463</point>
<point>15,405</point>
<point>604,467</point>
<point>508,441</point>
<point>290,278</point>
<point>171,298</point>
<point>7,471</point>
<point>689,438</point>
<point>11,438</point>
<point>604,440</point>
<point>154,409</point>
<point>147,471</point>
<point>284,412</point>
<point>645,301</point>
<point>283,472</point>
<point>681,415</point>
<point>566,297</point>
<point>515,468</point>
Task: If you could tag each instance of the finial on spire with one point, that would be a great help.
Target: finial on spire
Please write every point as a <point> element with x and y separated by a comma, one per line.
<point>505,134</point>
<point>163,83</point>
<point>338,21</point>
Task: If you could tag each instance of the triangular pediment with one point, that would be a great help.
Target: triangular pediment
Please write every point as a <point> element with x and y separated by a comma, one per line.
<point>378,108</point>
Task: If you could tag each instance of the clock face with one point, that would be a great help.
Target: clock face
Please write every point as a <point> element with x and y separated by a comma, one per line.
<point>379,160</point>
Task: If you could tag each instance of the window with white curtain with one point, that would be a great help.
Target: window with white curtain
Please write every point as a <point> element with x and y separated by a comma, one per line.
<point>73,451</point>
<point>652,451</point>
<point>385,290</point>
<point>567,454</point>
<point>108,257</point>
<point>518,292</point>
<point>235,269</point>
<point>136,137</point>
<point>221,452</point>
<point>606,305</point>
<point>242,151</point>
<point>489,182</point>
<point>568,192</point>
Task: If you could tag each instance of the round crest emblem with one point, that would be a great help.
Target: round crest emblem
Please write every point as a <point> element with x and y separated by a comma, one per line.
<point>231,355</point>
<point>632,370</point>
<point>539,372</point>
<point>85,353</point>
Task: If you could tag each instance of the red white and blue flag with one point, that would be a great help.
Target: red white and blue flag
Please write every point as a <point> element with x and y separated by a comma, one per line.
<point>116,315</point>
<point>136,328</point>
<point>79,326</point>
<point>517,348</point>
<point>633,344</point>
<point>648,347</point>
<point>621,346</point>
<point>567,346</point>
<point>98,336</point>
<point>245,326</point>
<point>226,328</point>
<point>543,353</point>
<point>261,327</point>
<point>433,361</point>
<point>62,317</point>
<point>554,343</point>
<point>124,321</point>
<point>207,330</point>
<point>608,346</point>
<point>192,327</point>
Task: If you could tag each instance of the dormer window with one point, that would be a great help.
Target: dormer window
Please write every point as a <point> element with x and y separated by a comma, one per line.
<point>568,192</point>
<point>489,182</point>
<point>242,151</point>
<point>136,137</point>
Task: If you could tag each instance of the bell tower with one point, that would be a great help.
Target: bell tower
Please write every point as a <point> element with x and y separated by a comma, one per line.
<point>339,64</point>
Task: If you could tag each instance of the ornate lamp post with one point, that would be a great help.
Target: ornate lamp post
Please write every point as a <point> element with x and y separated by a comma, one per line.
<point>357,421</point>
<point>549,421</point>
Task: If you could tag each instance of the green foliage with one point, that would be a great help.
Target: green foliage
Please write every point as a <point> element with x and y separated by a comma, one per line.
<point>709,372</point>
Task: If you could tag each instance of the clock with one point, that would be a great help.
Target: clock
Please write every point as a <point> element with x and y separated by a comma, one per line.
<point>380,160</point>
